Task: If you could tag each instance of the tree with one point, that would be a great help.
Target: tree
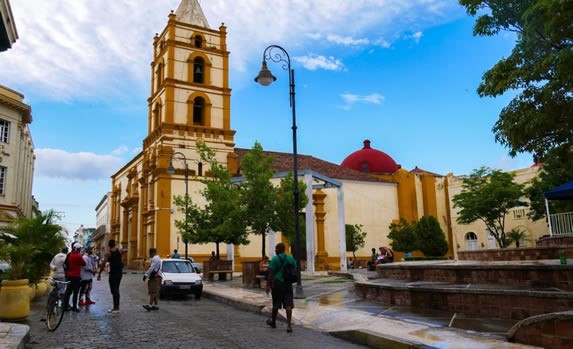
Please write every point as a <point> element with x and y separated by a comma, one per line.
<point>516,235</point>
<point>285,210</point>
<point>29,244</point>
<point>355,238</point>
<point>258,193</point>
<point>539,69</point>
<point>403,236</point>
<point>556,169</point>
<point>430,236</point>
<point>488,195</point>
<point>222,219</point>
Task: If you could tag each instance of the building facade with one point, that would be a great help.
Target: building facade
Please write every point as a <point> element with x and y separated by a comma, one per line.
<point>190,102</point>
<point>8,33</point>
<point>16,158</point>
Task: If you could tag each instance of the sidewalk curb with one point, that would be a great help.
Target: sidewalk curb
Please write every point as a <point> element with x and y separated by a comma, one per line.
<point>14,336</point>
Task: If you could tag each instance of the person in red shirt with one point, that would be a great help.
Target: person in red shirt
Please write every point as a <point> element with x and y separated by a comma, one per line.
<point>74,262</point>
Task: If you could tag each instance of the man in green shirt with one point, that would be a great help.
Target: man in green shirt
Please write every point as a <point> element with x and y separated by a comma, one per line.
<point>282,292</point>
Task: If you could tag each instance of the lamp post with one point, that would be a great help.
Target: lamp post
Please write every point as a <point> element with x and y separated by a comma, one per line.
<point>278,54</point>
<point>171,171</point>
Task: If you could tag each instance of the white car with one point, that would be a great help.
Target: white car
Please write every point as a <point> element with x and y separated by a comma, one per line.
<point>181,278</point>
<point>4,266</point>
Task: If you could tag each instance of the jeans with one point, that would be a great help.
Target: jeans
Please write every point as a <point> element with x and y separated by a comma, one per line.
<point>114,281</point>
<point>73,287</point>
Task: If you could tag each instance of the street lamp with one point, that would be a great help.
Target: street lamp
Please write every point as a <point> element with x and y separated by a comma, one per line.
<point>171,171</point>
<point>278,54</point>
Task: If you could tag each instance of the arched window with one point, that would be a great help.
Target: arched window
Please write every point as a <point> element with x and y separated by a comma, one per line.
<point>471,241</point>
<point>199,70</point>
<point>198,111</point>
<point>158,76</point>
<point>198,41</point>
<point>156,115</point>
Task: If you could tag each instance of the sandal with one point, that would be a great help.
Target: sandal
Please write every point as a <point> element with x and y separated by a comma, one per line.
<point>289,330</point>
<point>270,323</point>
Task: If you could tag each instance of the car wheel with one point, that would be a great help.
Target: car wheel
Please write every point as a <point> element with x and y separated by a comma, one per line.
<point>198,295</point>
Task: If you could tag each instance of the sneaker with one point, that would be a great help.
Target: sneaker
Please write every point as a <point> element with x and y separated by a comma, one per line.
<point>113,311</point>
<point>154,307</point>
<point>147,307</point>
<point>82,303</point>
<point>75,310</point>
<point>90,302</point>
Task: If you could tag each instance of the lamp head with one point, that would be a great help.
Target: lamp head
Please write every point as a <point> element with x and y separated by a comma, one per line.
<point>171,169</point>
<point>265,78</point>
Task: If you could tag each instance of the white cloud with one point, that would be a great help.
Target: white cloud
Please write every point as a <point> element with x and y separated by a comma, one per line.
<point>83,166</point>
<point>373,98</point>
<point>101,49</point>
<point>415,36</point>
<point>320,62</point>
<point>120,150</point>
<point>347,40</point>
<point>382,43</point>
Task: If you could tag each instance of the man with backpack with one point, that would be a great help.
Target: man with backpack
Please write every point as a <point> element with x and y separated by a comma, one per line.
<point>281,269</point>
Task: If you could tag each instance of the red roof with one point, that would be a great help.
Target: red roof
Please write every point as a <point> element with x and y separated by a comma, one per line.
<point>370,161</point>
<point>283,163</point>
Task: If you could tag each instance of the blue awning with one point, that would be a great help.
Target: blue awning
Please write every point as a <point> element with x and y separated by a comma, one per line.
<point>562,192</point>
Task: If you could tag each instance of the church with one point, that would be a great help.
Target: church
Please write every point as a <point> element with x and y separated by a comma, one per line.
<point>190,101</point>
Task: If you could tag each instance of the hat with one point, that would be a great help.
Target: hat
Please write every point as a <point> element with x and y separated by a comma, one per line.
<point>77,246</point>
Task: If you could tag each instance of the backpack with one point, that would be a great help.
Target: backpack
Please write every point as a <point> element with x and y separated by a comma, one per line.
<point>290,275</point>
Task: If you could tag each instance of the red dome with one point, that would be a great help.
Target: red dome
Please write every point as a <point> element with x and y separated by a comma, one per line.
<point>370,160</point>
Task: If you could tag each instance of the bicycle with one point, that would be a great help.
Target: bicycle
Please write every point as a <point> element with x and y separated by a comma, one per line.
<point>55,306</point>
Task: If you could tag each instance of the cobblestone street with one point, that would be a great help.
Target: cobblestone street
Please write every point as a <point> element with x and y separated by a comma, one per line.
<point>179,323</point>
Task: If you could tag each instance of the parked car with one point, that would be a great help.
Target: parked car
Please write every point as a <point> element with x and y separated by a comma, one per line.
<point>180,278</point>
<point>4,266</point>
<point>198,266</point>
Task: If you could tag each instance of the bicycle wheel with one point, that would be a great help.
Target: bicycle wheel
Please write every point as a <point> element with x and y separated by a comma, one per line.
<point>54,315</point>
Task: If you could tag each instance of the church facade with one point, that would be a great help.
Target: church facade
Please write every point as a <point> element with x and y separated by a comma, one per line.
<point>190,102</point>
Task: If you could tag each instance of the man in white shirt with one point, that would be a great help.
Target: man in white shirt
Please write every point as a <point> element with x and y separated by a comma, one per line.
<point>57,264</point>
<point>154,275</point>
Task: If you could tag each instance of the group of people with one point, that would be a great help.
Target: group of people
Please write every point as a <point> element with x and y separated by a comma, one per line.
<point>386,255</point>
<point>78,270</point>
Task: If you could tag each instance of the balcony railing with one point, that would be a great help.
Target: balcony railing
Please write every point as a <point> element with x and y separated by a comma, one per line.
<point>561,224</point>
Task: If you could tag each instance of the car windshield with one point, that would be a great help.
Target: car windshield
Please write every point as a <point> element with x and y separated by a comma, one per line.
<point>177,267</point>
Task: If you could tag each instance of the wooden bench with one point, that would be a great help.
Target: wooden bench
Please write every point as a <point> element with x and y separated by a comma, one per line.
<point>221,274</point>
<point>221,268</point>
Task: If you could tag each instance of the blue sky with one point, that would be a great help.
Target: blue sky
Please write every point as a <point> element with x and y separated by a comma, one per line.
<point>402,73</point>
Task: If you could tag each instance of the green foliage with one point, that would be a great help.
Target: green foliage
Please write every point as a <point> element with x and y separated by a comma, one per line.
<point>403,236</point>
<point>258,193</point>
<point>431,239</point>
<point>285,222</point>
<point>488,195</point>
<point>557,169</point>
<point>516,236</point>
<point>355,238</point>
<point>539,69</point>
<point>222,219</point>
<point>29,244</point>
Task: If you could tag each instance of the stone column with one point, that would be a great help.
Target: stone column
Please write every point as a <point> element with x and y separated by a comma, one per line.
<point>321,259</point>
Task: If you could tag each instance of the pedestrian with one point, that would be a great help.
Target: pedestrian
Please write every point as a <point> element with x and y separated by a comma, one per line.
<point>57,264</point>
<point>154,275</point>
<point>372,262</point>
<point>282,293</point>
<point>87,275</point>
<point>175,255</point>
<point>213,256</point>
<point>74,262</point>
<point>113,257</point>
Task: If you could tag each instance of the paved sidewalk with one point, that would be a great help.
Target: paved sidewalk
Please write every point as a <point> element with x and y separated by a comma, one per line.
<point>332,307</point>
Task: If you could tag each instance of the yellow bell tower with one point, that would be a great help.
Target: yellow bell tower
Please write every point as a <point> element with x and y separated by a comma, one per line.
<point>190,101</point>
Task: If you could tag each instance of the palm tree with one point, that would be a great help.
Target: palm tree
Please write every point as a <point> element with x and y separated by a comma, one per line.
<point>516,235</point>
